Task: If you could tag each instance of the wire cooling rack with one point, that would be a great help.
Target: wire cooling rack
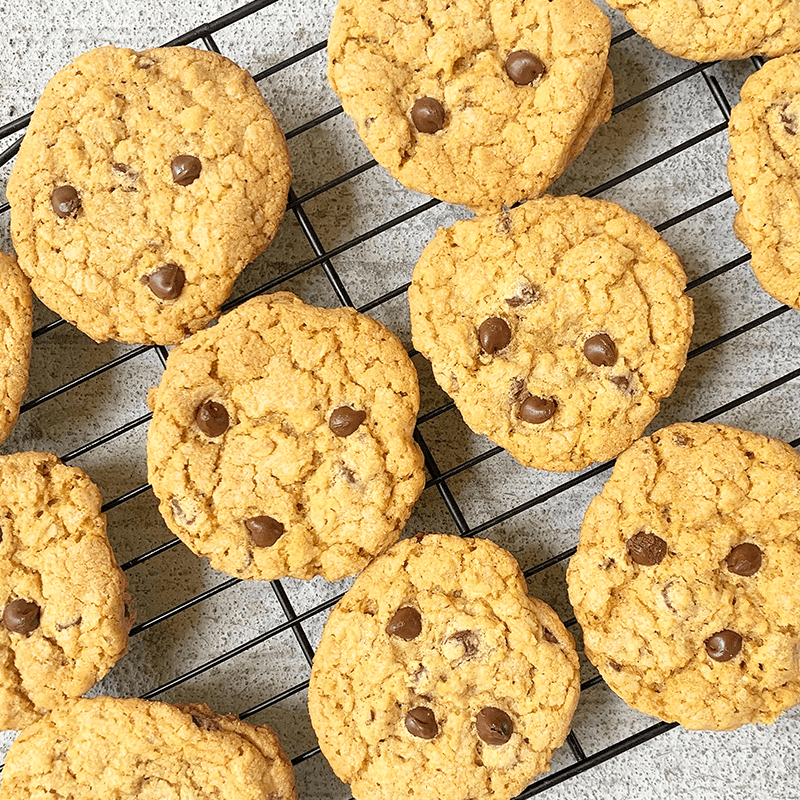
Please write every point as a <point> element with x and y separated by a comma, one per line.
<point>351,237</point>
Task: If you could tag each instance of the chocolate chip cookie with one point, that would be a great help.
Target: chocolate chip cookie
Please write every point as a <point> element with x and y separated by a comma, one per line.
<point>685,579</point>
<point>764,169</point>
<point>106,747</point>
<point>144,185</point>
<point>724,29</point>
<point>437,672</point>
<point>557,327</point>
<point>62,595</point>
<point>16,318</point>
<point>281,441</point>
<point>477,102</point>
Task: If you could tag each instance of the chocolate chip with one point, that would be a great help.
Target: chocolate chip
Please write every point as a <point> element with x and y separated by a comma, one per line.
<point>647,549</point>
<point>679,440</point>
<point>205,723</point>
<point>124,169</point>
<point>406,623</point>
<point>264,531</point>
<point>621,382</point>
<point>744,559</point>
<point>537,410</point>
<point>469,640</point>
<point>212,418</point>
<point>526,295</point>
<point>524,67</point>
<point>65,201</point>
<point>723,646</point>
<point>427,114</point>
<point>789,121</point>
<point>516,389</point>
<point>494,334</point>
<point>616,667</point>
<point>600,350</point>
<point>186,169</point>
<point>178,512</point>
<point>63,626</point>
<point>345,420</point>
<point>494,726</point>
<point>549,637</point>
<point>420,722</point>
<point>166,283</point>
<point>21,616</point>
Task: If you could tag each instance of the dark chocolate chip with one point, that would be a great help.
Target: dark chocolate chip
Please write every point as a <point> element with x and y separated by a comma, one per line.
<point>494,334</point>
<point>21,616</point>
<point>524,67</point>
<point>723,646</point>
<point>65,201</point>
<point>494,726</point>
<point>537,410</point>
<point>549,637</point>
<point>427,114</point>
<point>744,559</point>
<point>420,722</point>
<point>406,623</point>
<point>212,418</point>
<point>264,531</point>
<point>647,549</point>
<point>600,350</point>
<point>345,420</point>
<point>186,169</point>
<point>166,283</point>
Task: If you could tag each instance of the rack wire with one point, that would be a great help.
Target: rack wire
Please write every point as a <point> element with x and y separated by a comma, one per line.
<point>439,480</point>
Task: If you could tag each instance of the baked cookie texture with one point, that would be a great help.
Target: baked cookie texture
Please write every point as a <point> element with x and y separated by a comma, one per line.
<point>724,29</point>
<point>144,184</point>
<point>685,578</point>
<point>438,673</point>
<point>107,747</point>
<point>556,327</point>
<point>480,138</point>
<point>16,319</point>
<point>309,466</point>
<point>62,596</point>
<point>764,170</point>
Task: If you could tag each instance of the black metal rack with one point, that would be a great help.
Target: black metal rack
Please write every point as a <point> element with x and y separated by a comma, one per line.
<point>438,479</point>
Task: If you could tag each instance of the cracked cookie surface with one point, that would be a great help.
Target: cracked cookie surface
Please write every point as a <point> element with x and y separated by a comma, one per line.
<point>724,29</point>
<point>764,170</point>
<point>490,131</point>
<point>438,672</point>
<point>125,749</point>
<point>62,596</point>
<point>16,319</point>
<point>145,183</point>
<point>282,440</point>
<point>593,322</point>
<point>685,578</point>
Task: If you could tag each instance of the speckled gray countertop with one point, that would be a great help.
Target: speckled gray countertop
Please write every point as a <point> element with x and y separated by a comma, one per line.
<point>675,131</point>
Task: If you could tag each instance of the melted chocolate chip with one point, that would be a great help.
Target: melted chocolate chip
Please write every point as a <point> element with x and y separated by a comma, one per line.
<point>469,640</point>
<point>524,67</point>
<point>344,421</point>
<point>186,169</point>
<point>167,282</point>
<point>494,334</point>
<point>789,121</point>
<point>427,114</point>
<point>65,201</point>
<point>406,623</point>
<point>212,418</point>
<point>679,440</point>
<point>600,350</point>
<point>526,295</point>
<point>264,530</point>
<point>621,382</point>
<point>549,637</point>
<point>647,549</point>
<point>724,646</point>
<point>421,722</point>
<point>125,170</point>
<point>21,616</point>
<point>494,725</point>
<point>204,723</point>
<point>537,410</point>
<point>63,626</point>
<point>744,559</point>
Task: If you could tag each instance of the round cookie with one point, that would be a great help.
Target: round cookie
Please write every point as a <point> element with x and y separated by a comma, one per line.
<point>438,673</point>
<point>685,578</point>
<point>281,440</point>
<point>144,185</point>
<point>724,29</point>
<point>64,620</point>
<point>477,103</point>
<point>16,320</point>
<point>106,747</point>
<point>764,170</point>
<point>556,327</point>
